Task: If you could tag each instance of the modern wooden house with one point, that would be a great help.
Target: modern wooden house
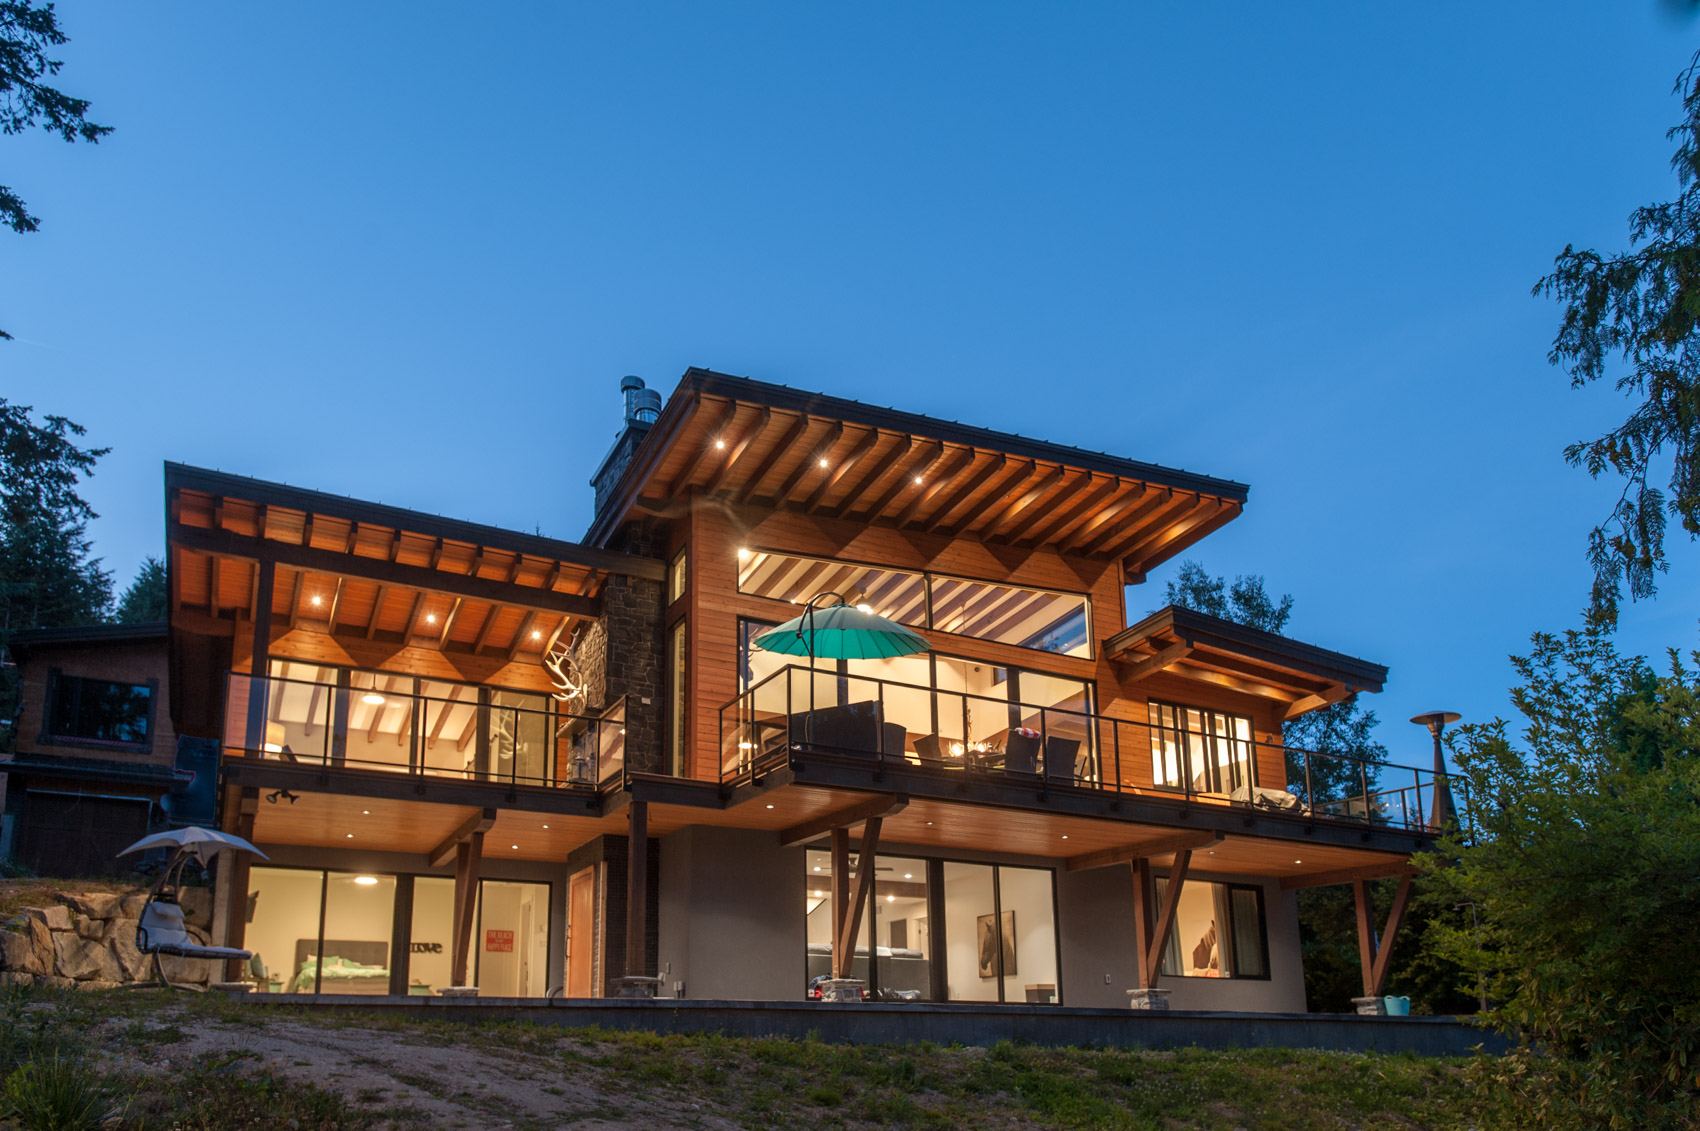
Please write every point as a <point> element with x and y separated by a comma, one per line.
<point>479,757</point>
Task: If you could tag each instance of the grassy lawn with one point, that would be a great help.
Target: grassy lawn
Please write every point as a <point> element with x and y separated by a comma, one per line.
<point>200,1061</point>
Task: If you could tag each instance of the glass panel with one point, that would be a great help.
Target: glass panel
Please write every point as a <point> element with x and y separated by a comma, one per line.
<point>1166,768</point>
<point>450,726</point>
<point>283,928</point>
<point>354,957</point>
<point>678,709</point>
<point>1030,935</point>
<point>100,709</point>
<point>1027,618</point>
<point>513,939</point>
<point>428,966</point>
<point>1194,948</point>
<point>902,933</point>
<point>380,720</point>
<point>519,732</point>
<point>300,698</point>
<point>676,577</point>
<point>971,939</point>
<point>894,594</point>
<point>817,919</point>
<point>1250,961</point>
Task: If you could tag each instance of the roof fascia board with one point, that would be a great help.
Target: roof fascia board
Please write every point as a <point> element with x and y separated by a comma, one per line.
<point>1191,623</point>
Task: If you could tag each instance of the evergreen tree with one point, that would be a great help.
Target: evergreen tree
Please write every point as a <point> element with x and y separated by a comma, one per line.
<point>144,601</point>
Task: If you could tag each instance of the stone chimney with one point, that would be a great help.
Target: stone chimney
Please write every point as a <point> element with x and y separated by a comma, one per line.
<point>643,406</point>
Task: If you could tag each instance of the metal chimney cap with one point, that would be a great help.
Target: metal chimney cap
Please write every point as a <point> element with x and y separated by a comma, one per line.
<point>630,382</point>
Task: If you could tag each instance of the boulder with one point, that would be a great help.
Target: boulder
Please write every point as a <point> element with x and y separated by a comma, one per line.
<point>197,905</point>
<point>80,958</point>
<point>121,940</point>
<point>19,953</point>
<point>98,984</point>
<point>89,928</point>
<point>58,982</point>
<point>94,904</point>
<point>57,917</point>
<point>14,978</point>
<point>130,905</point>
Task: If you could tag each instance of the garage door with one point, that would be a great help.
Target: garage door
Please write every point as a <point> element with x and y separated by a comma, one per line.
<point>71,834</point>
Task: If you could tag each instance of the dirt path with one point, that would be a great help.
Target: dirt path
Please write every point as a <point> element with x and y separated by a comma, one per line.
<point>415,1082</point>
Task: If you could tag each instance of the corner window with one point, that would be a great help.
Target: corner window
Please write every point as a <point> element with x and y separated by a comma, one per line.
<point>98,710</point>
<point>1218,932</point>
<point>677,575</point>
<point>1201,751</point>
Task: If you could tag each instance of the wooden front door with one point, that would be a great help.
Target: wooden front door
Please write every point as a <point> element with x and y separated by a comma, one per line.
<point>581,933</point>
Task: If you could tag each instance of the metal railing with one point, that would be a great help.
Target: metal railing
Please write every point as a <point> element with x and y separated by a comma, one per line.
<point>473,734</point>
<point>801,712</point>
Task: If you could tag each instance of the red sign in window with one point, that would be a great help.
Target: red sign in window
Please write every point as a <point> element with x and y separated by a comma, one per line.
<point>499,941</point>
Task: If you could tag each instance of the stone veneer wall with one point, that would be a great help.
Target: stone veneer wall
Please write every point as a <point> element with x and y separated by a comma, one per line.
<point>621,654</point>
<point>88,941</point>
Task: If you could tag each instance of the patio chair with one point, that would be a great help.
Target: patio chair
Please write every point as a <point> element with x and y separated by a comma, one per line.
<point>160,931</point>
<point>1021,754</point>
<point>850,728</point>
<point>1062,761</point>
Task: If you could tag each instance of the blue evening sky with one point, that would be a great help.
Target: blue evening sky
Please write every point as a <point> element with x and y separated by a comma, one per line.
<point>405,252</point>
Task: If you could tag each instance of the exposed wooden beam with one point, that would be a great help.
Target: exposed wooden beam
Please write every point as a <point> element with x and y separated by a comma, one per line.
<point>1348,875</point>
<point>212,586</point>
<point>307,529</point>
<point>1322,699</point>
<point>715,432</point>
<point>377,611</point>
<point>436,553</point>
<point>1016,506</point>
<point>1201,521</point>
<point>520,636</point>
<point>337,564</point>
<point>1151,665</point>
<point>353,537</point>
<point>1162,846</point>
<point>883,806</point>
<point>484,629</point>
<point>1134,504</point>
<point>1038,515</point>
<point>842,468</point>
<point>1153,957</point>
<point>867,858</point>
<point>921,468</point>
<point>936,485</point>
<point>964,492</point>
<point>480,822</point>
<point>779,452</point>
<point>1389,935</point>
<point>442,715</point>
<point>514,567</point>
<point>555,635</point>
<point>736,451</point>
<point>295,595</point>
<point>1062,525</point>
<point>810,463</point>
<point>467,733</point>
<point>449,623</point>
<point>412,625</point>
<point>395,545</point>
<point>336,605</point>
<point>885,463</point>
<point>1140,521</point>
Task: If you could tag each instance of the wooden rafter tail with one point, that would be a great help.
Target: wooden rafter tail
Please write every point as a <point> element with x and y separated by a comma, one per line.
<point>841,468</point>
<point>854,495</point>
<point>786,443</point>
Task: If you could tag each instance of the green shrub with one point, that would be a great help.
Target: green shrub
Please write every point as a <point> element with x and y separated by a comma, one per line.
<point>57,1094</point>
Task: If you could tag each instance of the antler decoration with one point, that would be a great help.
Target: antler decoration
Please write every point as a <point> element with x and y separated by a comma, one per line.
<point>563,672</point>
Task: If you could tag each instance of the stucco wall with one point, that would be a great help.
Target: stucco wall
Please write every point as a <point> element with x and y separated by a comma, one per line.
<point>1096,920</point>
<point>731,916</point>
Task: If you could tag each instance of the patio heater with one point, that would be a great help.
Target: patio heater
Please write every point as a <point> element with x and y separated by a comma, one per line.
<point>1442,810</point>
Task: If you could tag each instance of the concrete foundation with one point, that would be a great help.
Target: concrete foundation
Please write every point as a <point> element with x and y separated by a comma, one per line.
<point>1148,999</point>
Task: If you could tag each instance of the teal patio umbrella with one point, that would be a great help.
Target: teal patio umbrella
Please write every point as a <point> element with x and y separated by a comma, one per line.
<point>841,632</point>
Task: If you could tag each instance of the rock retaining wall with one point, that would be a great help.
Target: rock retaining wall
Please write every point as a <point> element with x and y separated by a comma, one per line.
<point>88,940</point>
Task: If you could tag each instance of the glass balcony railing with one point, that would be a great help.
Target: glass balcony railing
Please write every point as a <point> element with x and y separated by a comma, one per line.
<point>478,734</point>
<point>799,712</point>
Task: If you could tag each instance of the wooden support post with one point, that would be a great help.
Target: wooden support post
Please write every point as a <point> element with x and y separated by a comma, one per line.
<point>469,854</point>
<point>637,889</point>
<point>1166,919</point>
<point>1143,903</point>
<point>844,950</point>
<point>840,897</point>
<point>1376,959</point>
<point>241,822</point>
<point>1366,935</point>
<point>259,662</point>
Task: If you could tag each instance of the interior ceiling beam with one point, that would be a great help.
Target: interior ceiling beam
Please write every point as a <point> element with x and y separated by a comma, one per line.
<point>716,431</point>
<point>1164,658</point>
<point>752,432</point>
<point>854,494</point>
<point>484,629</point>
<point>842,468</point>
<point>1348,875</point>
<point>1162,846</point>
<point>377,611</point>
<point>873,808</point>
<point>222,543</point>
<point>520,636</point>
<point>810,463</point>
<point>480,822</point>
<point>336,605</point>
<point>925,460</point>
<point>965,492</point>
<point>765,468</point>
<point>1322,699</point>
<point>295,595</point>
<point>449,622</point>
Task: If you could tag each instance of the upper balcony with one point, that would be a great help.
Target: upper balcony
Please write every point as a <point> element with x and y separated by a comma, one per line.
<point>953,738</point>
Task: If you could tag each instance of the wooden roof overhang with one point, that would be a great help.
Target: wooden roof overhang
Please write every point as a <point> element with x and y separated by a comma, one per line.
<point>363,570</point>
<point>766,445</point>
<point>1199,646</point>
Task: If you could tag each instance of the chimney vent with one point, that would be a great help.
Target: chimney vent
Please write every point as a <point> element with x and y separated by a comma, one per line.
<point>643,405</point>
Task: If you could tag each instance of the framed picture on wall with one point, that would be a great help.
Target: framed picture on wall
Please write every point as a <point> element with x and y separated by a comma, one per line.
<point>988,937</point>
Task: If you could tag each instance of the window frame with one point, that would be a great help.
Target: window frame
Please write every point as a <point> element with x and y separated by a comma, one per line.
<point>1232,936</point>
<point>678,576</point>
<point>1212,767</point>
<point>57,679</point>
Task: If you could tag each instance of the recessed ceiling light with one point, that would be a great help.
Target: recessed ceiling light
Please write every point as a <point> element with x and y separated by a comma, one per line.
<point>823,462</point>
<point>743,555</point>
<point>817,867</point>
<point>365,881</point>
<point>891,899</point>
<point>817,894</point>
<point>536,635</point>
<point>545,826</point>
<point>919,481</point>
<point>317,600</point>
<point>770,806</point>
<point>516,848</point>
<point>373,698</point>
<point>929,824</point>
<point>720,443</point>
<point>430,618</point>
<point>1298,861</point>
<point>906,875</point>
<point>350,836</point>
<point>1065,836</point>
<point>365,812</point>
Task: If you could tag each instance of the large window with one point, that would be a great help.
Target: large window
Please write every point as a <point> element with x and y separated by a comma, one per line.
<point>678,699</point>
<point>100,711</point>
<point>510,938</point>
<point>1201,751</point>
<point>1040,619</point>
<point>1218,932</point>
<point>942,930</point>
